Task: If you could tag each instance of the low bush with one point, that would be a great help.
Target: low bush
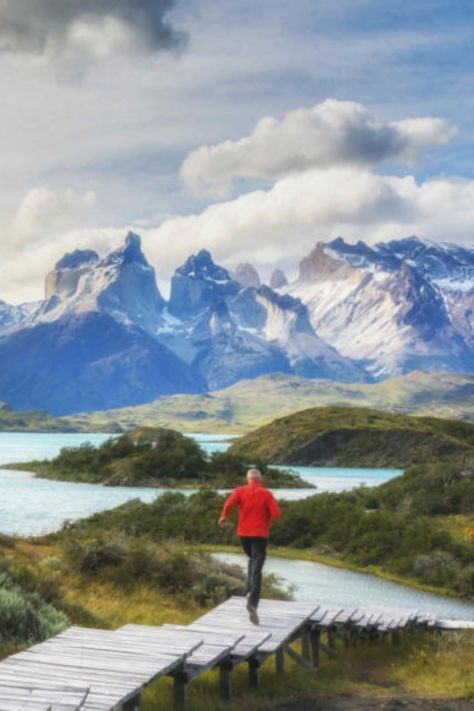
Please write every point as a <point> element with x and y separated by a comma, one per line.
<point>190,575</point>
<point>25,617</point>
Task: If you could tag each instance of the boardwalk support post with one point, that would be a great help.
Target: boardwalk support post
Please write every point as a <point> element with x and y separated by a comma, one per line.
<point>332,638</point>
<point>298,658</point>
<point>180,690</point>
<point>225,680</point>
<point>305,644</point>
<point>315,639</point>
<point>133,704</point>
<point>254,671</point>
<point>280,661</point>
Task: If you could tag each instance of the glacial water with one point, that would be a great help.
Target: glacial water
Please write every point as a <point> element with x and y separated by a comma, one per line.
<point>336,587</point>
<point>30,506</point>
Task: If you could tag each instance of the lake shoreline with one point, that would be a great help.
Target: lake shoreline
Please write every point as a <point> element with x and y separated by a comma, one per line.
<point>314,557</point>
<point>34,469</point>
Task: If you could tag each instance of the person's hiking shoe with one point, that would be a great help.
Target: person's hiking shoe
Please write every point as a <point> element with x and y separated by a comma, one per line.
<point>253,615</point>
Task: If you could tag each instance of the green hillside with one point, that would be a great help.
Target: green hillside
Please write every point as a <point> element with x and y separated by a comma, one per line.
<point>32,421</point>
<point>339,436</point>
<point>251,403</point>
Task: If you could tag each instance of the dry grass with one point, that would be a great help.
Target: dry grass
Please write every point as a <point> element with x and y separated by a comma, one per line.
<point>424,665</point>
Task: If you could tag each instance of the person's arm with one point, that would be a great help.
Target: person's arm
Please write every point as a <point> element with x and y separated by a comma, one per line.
<point>273,508</point>
<point>232,500</point>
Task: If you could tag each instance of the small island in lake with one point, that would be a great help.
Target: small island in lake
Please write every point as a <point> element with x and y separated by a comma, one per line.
<point>156,457</point>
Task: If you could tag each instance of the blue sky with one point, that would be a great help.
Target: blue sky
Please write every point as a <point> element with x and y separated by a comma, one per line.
<point>100,115</point>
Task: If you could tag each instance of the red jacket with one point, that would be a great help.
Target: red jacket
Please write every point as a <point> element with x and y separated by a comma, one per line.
<point>257,507</point>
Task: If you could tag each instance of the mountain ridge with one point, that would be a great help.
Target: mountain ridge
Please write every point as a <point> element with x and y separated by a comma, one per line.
<point>105,337</point>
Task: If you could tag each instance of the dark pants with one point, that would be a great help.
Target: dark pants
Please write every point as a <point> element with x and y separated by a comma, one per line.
<point>256,551</point>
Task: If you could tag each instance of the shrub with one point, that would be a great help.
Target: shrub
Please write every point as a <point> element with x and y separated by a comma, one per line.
<point>95,555</point>
<point>7,541</point>
<point>437,568</point>
<point>25,617</point>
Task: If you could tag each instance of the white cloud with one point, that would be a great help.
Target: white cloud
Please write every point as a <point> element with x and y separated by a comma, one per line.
<point>272,228</point>
<point>279,226</point>
<point>23,271</point>
<point>330,133</point>
<point>43,210</point>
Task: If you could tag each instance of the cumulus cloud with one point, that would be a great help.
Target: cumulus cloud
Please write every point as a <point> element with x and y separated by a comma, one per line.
<point>272,228</point>
<point>93,26</point>
<point>23,271</point>
<point>277,227</point>
<point>331,133</point>
<point>43,210</point>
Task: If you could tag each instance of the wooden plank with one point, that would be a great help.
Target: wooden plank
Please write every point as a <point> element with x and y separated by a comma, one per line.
<point>250,644</point>
<point>242,644</point>
<point>455,624</point>
<point>280,618</point>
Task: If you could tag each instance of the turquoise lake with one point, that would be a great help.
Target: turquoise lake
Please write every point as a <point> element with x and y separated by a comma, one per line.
<point>336,587</point>
<point>30,506</point>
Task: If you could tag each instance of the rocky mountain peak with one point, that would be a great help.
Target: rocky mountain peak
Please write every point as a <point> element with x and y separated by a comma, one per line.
<point>78,258</point>
<point>278,279</point>
<point>318,264</point>
<point>247,275</point>
<point>63,280</point>
<point>121,284</point>
<point>197,284</point>
<point>202,266</point>
<point>130,252</point>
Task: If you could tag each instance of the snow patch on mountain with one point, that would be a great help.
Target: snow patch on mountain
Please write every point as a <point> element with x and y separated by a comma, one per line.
<point>122,285</point>
<point>395,307</point>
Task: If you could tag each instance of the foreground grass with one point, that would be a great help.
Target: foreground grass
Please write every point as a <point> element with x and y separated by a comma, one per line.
<point>425,665</point>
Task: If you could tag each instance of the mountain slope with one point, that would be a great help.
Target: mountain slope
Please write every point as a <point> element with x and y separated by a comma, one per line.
<point>88,361</point>
<point>251,403</point>
<point>396,307</point>
<point>337,436</point>
<point>105,337</point>
<point>230,332</point>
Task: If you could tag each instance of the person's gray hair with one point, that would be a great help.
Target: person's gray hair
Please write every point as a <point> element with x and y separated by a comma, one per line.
<point>254,474</point>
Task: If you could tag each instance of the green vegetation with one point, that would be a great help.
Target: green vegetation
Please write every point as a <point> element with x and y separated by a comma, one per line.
<point>32,421</point>
<point>371,675</point>
<point>394,528</point>
<point>45,588</point>
<point>25,617</point>
<point>252,403</point>
<point>421,666</point>
<point>154,457</point>
<point>340,436</point>
<point>139,563</point>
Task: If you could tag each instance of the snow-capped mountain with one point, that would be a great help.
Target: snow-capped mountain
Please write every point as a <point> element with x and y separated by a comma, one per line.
<point>105,337</point>
<point>89,344</point>
<point>247,275</point>
<point>12,316</point>
<point>122,285</point>
<point>395,307</point>
<point>230,332</point>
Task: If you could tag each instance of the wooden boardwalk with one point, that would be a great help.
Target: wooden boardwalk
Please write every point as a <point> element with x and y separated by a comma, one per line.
<point>101,670</point>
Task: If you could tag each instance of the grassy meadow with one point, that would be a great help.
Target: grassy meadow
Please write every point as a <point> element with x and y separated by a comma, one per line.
<point>252,403</point>
<point>423,665</point>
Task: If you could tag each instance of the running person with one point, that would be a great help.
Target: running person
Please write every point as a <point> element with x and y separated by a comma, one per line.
<point>257,507</point>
